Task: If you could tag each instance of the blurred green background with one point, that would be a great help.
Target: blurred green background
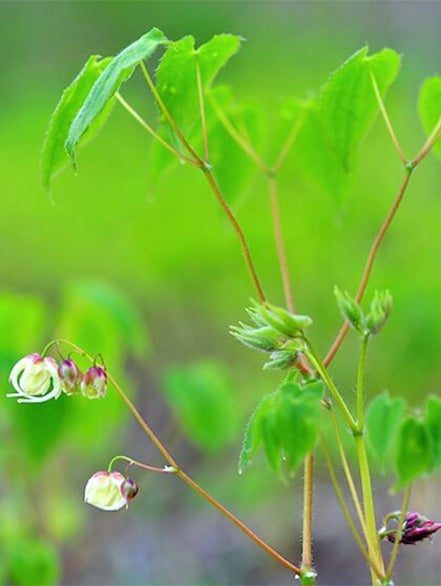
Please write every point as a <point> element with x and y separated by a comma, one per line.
<point>152,276</point>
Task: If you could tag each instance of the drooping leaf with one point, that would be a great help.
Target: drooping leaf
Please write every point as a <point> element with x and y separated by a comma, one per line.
<point>432,422</point>
<point>53,155</point>
<point>203,400</point>
<point>429,106</point>
<point>382,420</point>
<point>253,434</point>
<point>414,454</point>
<point>317,161</point>
<point>108,83</point>
<point>176,75</point>
<point>348,103</point>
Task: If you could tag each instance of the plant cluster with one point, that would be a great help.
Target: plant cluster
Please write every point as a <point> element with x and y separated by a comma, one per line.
<point>203,125</point>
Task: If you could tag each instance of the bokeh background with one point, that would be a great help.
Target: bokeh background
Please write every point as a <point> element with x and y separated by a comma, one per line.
<point>151,276</point>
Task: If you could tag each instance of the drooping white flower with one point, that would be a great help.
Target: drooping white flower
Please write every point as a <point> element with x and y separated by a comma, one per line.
<point>35,379</point>
<point>70,376</point>
<point>109,491</point>
<point>94,383</point>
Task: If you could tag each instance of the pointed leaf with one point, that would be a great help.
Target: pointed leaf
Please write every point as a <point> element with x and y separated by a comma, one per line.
<point>53,155</point>
<point>114,75</point>
<point>203,399</point>
<point>382,420</point>
<point>348,100</point>
<point>432,422</point>
<point>414,454</point>
<point>176,74</point>
<point>429,106</point>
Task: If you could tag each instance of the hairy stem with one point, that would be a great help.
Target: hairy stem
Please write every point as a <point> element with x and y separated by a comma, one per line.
<point>308,496</point>
<point>370,261</point>
<point>360,382</point>
<point>372,564</point>
<point>369,509</point>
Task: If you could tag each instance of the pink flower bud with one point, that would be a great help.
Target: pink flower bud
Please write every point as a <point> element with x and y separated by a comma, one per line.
<point>94,383</point>
<point>35,379</point>
<point>70,376</point>
<point>110,491</point>
<point>415,528</point>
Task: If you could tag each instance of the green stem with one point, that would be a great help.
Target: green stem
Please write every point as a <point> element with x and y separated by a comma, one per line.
<point>308,495</point>
<point>348,474</point>
<point>346,512</point>
<point>374,549</point>
<point>433,137</point>
<point>132,462</point>
<point>360,382</point>
<point>202,111</point>
<point>321,369</point>
<point>399,532</point>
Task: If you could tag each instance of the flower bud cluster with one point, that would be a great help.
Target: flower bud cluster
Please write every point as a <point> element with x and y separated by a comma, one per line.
<point>37,378</point>
<point>276,331</point>
<point>110,491</point>
<point>415,528</point>
<point>365,323</point>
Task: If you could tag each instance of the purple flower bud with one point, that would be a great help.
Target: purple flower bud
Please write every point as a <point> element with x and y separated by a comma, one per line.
<point>129,489</point>
<point>70,376</point>
<point>94,383</point>
<point>415,528</point>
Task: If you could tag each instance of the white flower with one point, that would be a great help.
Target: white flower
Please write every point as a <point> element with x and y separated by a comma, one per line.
<point>35,379</point>
<point>109,491</point>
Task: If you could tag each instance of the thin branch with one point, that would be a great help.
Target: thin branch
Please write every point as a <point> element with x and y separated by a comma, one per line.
<point>236,226</point>
<point>288,144</point>
<point>235,135</point>
<point>168,116</point>
<point>346,512</point>
<point>399,532</point>
<point>370,261</point>
<point>386,118</point>
<point>202,110</point>
<point>280,245</point>
<point>433,137</point>
<point>150,130</point>
<point>348,474</point>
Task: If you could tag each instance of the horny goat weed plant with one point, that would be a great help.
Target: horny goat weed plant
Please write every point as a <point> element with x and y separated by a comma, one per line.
<point>204,126</point>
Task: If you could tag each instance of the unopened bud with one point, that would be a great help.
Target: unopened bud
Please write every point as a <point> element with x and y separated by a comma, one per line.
<point>379,311</point>
<point>70,376</point>
<point>129,489</point>
<point>349,309</point>
<point>415,528</point>
<point>286,323</point>
<point>94,383</point>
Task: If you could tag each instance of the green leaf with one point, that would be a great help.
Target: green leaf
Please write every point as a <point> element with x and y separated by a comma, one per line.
<point>253,433</point>
<point>316,159</point>
<point>382,420</point>
<point>204,402</point>
<point>348,104</point>
<point>429,106</point>
<point>108,83</point>
<point>432,422</point>
<point>176,75</point>
<point>414,454</point>
<point>53,155</point>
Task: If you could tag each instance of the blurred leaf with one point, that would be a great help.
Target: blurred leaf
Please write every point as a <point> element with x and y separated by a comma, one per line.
<point>429,106</point>
<point>204,402</point>
<point>253,434</point>
<point>176,75</point>
<point>382,420</point>
<point>316,159</point>
<point>108,83</point>
<point>348,103</point>
<point>34,562</point>
<point>414,454</point>
<point>432,422</point>
<point>100,319</point>
<point>53,155</point>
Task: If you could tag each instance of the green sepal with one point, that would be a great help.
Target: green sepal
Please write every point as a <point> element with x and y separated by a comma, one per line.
<point>349,309</point>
